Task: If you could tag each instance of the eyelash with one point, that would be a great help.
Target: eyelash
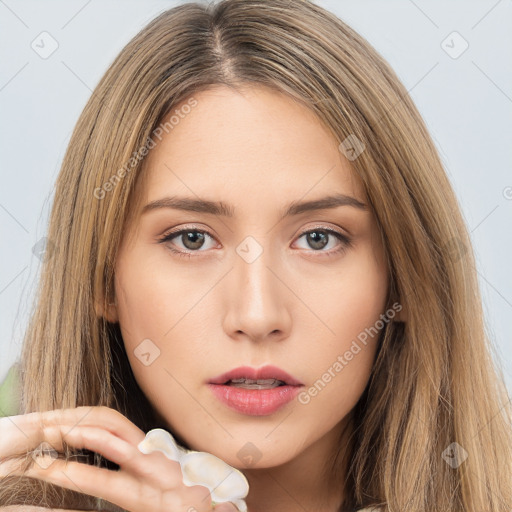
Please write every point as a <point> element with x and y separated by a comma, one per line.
<point>346,242</point>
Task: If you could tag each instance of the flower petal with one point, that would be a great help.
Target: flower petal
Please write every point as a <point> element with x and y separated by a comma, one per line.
<point>160,440</point>
<point>224,481</point>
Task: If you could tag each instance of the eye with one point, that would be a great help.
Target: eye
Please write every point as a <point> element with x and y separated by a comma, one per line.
<point>319,238</point>
<point>193,240</point>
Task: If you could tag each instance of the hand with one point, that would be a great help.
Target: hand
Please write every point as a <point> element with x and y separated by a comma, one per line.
<point>143,482</point>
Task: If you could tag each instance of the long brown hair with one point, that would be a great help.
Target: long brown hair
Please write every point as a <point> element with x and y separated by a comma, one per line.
<point>434,380</point>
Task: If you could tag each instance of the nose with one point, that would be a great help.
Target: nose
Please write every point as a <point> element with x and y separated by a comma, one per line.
<point>257,299</point>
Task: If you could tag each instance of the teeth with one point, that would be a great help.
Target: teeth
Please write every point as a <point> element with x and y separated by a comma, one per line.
<point>255,384</point>
<point>259,381</point>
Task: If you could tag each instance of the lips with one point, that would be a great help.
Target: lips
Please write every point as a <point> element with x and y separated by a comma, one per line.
<point>265,372</point>
<point>258,395</point>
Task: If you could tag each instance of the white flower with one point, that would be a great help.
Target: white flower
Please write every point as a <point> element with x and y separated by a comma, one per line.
<point>224,482</point>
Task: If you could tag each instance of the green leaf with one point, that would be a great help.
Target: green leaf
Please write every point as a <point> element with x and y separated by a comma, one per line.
<point>10,393</point>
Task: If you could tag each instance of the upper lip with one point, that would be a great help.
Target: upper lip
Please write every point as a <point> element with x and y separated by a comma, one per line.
<point>265,372</point>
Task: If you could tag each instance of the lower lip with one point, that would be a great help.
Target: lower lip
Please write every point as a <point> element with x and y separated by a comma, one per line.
<point>255,402</point>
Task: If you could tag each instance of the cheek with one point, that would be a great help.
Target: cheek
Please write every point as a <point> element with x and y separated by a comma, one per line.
<point>351,309</point>
<point>146,303</point>
<point>354,299</point>
<point>146,298</point>
<point>153,311</point>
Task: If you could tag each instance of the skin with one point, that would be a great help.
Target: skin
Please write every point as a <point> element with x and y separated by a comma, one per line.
<point>298,309</point>
<point>294,307</point>
<point>143,482</point>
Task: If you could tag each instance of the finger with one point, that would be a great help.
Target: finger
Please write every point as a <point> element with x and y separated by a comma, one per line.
<point>118,487</point>
<point>28,508</point>
<point>154,468</point>
<point>115,486</point>
<point>89,416</point>
<point>100,441</point>
<point>155,465</point>
<point>86,479</point>
<point>23,432</point>
<point>96,439</point>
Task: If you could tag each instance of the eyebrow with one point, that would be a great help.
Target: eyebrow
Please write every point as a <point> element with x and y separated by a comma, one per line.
<point>222,209</point>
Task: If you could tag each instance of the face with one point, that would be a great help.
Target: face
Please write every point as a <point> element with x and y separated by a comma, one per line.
<point>200,292</point>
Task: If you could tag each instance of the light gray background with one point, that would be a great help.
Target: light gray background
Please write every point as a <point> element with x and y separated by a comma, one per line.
<point>466,102</point>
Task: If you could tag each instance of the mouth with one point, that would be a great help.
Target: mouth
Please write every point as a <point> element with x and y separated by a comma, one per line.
<point>256,392</point>
<point>255,384</point>
<point>267,377</point>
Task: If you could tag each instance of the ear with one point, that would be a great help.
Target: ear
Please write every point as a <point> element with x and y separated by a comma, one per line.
<point>107,310</point>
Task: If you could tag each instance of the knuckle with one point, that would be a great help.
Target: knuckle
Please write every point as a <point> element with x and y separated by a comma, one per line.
<point>43,419</point>
<point>52,435</point>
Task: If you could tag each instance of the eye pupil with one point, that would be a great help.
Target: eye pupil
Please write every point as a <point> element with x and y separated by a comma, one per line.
<point>191,237</point>
<point>313,235</point>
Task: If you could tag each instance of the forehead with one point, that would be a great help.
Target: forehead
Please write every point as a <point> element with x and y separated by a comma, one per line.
<point>251,142</point>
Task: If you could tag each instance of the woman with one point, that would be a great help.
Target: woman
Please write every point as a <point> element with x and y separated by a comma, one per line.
<point>314,329</point>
